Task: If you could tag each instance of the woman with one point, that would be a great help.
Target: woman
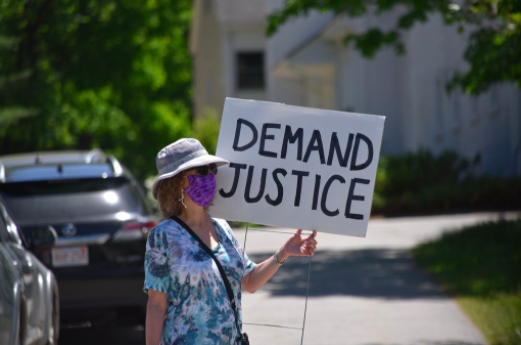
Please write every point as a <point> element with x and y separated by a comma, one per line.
<point>188,302</point>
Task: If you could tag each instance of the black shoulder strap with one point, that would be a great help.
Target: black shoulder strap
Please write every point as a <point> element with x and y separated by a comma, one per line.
<point>221,270</point>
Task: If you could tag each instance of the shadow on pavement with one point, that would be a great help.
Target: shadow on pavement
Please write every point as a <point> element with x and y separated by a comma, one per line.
<point>372,273</point>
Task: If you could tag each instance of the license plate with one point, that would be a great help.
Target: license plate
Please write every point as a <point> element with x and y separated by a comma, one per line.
<point>70,256</point>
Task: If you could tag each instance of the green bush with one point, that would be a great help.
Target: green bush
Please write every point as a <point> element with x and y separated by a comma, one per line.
<point>421,183</point>
<point>413,171</point>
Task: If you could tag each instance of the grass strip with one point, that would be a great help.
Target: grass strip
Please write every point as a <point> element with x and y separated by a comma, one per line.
<point>481,267</point>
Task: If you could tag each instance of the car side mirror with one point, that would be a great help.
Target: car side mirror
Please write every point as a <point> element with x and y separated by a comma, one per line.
<point>44,236</point>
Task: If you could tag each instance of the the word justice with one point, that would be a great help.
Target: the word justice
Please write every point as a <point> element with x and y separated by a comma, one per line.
<point>320,192</point>
<point>315,145</point>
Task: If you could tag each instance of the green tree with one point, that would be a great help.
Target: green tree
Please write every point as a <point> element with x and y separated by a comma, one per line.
<point>113,74</point>
<point>206,129</point>
<point>494,47</point>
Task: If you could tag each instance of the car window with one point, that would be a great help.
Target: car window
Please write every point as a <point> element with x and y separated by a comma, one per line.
<point>53,187</point>
<point>72,200</point>
<point>41,172</point>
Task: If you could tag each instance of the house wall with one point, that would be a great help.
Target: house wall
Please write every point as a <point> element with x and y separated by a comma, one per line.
<point>298,88</point>
<point>207,66</point>
<point>245,39</point>
<point>438,120</point>
<point>410,91</point>
<point>306,64</point>
<point>372,86</point>
<point>216,46</point>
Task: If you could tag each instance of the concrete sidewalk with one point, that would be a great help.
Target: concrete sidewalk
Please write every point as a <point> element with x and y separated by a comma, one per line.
<point>363,291</point>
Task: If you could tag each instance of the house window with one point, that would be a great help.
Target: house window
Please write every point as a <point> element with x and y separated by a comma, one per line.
<point>250,70</point>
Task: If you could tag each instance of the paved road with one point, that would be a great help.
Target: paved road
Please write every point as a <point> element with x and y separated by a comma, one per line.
<point>363,291</point>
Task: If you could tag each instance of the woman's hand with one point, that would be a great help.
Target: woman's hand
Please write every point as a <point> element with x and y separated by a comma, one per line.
<point>295,245</point>
<point>298,246</point>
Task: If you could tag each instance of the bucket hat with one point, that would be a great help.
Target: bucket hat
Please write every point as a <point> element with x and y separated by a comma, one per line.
<point>182,155</point>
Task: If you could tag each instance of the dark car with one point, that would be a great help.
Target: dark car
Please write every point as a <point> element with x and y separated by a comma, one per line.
<point>102,218</point>
<point>29,300</point>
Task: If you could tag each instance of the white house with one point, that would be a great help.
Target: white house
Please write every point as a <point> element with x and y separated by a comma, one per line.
<point>305,63</point>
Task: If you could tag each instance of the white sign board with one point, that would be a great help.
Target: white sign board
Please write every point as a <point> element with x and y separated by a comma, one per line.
<point>297,167</point>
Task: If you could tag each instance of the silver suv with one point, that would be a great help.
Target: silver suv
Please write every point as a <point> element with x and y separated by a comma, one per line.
<point>102,218</point>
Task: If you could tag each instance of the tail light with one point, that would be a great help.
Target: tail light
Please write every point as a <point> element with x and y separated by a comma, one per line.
<point>135,230</point>
<point>148,226</point>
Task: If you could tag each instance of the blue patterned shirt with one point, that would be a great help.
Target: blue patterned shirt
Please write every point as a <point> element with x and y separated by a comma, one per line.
<point>199,310</point>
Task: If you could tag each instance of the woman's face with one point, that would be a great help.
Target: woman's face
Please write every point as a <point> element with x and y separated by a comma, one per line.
<point>205,169</point>
<point>200,184</point>
<point>202,170</point>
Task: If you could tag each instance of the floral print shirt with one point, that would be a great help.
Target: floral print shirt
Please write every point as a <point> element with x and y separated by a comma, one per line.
<point>199,310</point>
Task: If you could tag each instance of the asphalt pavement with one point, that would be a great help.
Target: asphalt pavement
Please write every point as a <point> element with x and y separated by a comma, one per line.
<point>362,291</point>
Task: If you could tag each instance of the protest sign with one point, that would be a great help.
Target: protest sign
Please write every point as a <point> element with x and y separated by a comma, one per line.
<point>297,167</point>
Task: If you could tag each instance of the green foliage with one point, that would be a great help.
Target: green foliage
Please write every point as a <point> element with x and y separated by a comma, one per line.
<point>423,183</point>
<point>481,267</point>
<point>148,182</point>
<point>494,50</point>
<point>113,74</point>
<point>10,115</point>
<point>206,130</point>
<point>413,171</point>
<point>497,316</point>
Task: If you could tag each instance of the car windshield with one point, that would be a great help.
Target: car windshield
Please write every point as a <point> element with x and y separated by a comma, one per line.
<point>72,200</point>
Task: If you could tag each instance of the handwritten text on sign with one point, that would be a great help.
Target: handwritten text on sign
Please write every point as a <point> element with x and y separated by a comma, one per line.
<point>297,167</point>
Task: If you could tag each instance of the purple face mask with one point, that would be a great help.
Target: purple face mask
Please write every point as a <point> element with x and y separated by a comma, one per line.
<point>201,189</point>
